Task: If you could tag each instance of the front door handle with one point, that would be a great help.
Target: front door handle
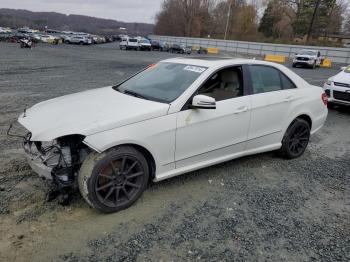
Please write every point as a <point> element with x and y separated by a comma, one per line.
<point>241,109</point>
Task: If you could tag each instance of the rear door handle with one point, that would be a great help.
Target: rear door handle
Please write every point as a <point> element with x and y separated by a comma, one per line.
<point>241,109</point>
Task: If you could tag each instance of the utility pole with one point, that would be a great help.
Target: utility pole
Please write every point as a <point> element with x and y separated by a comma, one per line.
<point>313,20</point>
<point>228,19</point>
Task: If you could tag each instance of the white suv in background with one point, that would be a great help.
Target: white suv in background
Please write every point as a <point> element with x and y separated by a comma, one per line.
<point>337,88</point>
<point>145,44</point>
<point>81,40</point>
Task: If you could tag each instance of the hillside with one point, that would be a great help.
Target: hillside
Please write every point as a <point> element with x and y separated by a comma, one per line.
<point>19,18</point>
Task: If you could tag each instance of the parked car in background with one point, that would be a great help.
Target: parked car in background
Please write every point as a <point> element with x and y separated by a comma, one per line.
<point>308,57</point>
<point>347,45</point>
<point>80,40</point>
<point>129,44</point>
<point>5,30</point>
<point>96,39</point>
<point>174,117</point>
<point>187,49</point>
<point>47,38</point>
<point>109,39</point>
<point>36,38</point>
<point>123,43</point>
<point>144,44</point>
<point>156,46</point>
<point>176,48</point>
<point>160,46</point>
<point>16,37</point>
<point>202,50</point>
<point>4,36</point>
<point>337,88</point>
<point>120,37</point>
<point>181,49</point>
<point>66,38</point>
<point>165,46</point>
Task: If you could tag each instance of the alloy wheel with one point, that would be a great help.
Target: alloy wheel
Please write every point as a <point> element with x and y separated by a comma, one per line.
<point>119,181</point>
<point>299,140</point>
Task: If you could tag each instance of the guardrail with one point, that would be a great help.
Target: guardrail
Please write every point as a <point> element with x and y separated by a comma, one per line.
<point>338,55</point>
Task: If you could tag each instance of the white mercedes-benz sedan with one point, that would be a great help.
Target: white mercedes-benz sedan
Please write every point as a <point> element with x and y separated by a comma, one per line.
<point>173,117</point>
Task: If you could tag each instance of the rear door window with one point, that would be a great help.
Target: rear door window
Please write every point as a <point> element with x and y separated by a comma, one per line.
<point>268,79</point>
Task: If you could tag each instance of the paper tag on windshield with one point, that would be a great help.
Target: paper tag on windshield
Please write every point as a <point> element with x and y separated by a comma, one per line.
<point>196,69</point>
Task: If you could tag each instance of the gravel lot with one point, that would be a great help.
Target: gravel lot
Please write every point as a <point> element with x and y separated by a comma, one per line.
<point>255,208</point>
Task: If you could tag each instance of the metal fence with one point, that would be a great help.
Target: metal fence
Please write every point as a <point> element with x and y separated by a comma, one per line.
<point>338,55</point>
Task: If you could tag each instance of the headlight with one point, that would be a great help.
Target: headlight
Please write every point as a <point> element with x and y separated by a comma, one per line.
<point>329,82</point>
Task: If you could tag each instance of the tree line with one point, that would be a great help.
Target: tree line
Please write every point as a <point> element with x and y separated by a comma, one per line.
<point>254,20</point>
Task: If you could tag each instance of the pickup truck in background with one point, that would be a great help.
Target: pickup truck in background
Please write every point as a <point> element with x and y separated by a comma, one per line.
<point>308,58</point>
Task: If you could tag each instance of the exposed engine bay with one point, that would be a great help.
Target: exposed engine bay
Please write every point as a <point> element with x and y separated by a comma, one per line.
<point>58,160</point>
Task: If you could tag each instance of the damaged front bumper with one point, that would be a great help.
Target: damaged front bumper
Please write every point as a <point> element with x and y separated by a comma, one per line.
<point>37,161</point>
<point>48,159</point>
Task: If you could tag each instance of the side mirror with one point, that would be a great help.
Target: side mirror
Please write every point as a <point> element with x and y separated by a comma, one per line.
<point>343,68</point>
<point>203,102</point>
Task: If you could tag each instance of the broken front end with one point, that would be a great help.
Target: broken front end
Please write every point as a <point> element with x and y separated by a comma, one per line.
<point>58,160</point>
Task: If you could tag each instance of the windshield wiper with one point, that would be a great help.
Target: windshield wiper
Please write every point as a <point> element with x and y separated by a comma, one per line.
<point>129,92</point>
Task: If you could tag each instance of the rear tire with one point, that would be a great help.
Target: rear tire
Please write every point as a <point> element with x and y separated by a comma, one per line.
<point>295,140</point>
<point>113,180</point>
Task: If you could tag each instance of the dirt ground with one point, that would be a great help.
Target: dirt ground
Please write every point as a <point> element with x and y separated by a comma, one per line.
<point>256,208</point>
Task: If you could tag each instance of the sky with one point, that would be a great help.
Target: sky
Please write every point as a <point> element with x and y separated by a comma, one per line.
<point>121,10</point>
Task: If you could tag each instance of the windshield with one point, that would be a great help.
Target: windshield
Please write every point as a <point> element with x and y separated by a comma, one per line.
<point>162,82</point>
<point>132,40</point>
<point>144,42</point>
<point>307,52</point>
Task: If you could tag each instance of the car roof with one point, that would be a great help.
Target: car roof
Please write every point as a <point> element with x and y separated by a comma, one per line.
<point>212,61</point>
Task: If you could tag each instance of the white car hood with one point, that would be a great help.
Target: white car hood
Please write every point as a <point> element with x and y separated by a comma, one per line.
<point>306,56</point>
<point>86,113</point>
<point>342,77</point>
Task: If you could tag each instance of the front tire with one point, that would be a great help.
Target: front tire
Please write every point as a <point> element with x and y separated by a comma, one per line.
<point>113,180</point>
<point>295,140</point>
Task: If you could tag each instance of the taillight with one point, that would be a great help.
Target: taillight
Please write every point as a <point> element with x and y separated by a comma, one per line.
<point>324,98</point>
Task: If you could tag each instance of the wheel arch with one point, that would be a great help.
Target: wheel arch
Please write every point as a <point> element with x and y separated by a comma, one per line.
<point>305,117</point>
<point>147,154</point>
